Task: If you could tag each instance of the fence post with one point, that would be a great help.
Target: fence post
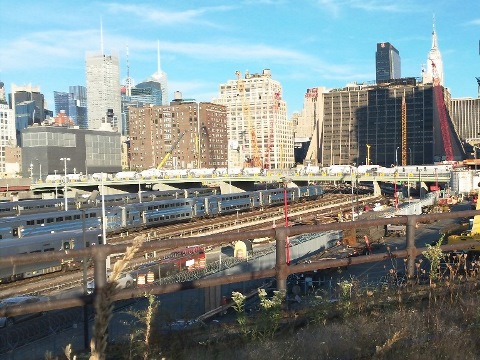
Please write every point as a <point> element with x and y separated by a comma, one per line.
<point>281,258</point>
<point>100,269</point>
<point>411,249</point>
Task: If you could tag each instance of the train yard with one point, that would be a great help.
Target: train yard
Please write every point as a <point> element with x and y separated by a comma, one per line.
<point>322,210</point>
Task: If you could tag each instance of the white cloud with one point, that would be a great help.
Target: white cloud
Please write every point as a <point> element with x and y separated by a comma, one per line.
<point>167,17</point>
<point>335,7</point>
<point>474,22</point>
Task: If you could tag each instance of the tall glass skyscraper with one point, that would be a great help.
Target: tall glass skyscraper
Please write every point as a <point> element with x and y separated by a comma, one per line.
<point>103,90</point>
<point>387,60</point>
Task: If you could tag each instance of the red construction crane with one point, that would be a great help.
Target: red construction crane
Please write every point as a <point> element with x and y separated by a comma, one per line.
<point>440,101</point>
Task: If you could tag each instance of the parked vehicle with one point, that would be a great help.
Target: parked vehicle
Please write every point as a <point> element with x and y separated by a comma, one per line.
<point>125,281</point>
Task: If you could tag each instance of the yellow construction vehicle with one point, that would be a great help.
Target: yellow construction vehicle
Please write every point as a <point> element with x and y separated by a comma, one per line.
<point>169,153</point>
<point>470,235</point>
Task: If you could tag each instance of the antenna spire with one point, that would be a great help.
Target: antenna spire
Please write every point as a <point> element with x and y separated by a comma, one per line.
<point>159,69</point>
<point>129,80</point>
<point>101,36</point>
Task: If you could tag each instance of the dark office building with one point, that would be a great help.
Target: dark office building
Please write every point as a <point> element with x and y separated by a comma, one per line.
<point>61,101</point>
<point>387,60</point>
<point>74,104</point>
<point>89,151</point>
<point>23,118</point>
<point>362,115</point>
<point>18,97</point>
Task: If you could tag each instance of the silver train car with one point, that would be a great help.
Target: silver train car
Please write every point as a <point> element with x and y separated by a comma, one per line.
<point>35,206</point>
<point>43,244</point>
<point>150,214</point>
<point>56,231</point>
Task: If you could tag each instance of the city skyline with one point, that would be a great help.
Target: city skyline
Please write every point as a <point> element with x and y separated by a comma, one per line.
<point>320,43</point>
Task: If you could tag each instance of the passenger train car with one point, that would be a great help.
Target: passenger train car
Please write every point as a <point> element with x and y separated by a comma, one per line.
<point>12,208</point>
<point>55,231</point>
<point>149,214</point>
<point>42,244</point>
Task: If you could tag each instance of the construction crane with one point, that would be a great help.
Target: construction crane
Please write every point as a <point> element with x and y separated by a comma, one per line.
<point>254,160</point>
<point>268,153</point>
<point>169,153</point>
<point>440,101</point>
<point>404,132</point>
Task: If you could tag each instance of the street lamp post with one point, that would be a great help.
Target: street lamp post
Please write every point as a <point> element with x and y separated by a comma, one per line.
<point>475,155</point>
<point>368,154</point>
<point>104,222</point>
<point>396,156</point>
<point>419,182</point>
<point>285,210</point>
<point>395,196</point>
<point>84,283</point>
<point>353,196</point>
<point>31,172</point>
<point>65,181</point>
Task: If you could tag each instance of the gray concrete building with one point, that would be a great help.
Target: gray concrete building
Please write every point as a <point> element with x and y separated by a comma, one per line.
<point>88,151</point>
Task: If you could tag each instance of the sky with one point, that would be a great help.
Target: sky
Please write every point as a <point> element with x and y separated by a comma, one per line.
<point>305,43</point>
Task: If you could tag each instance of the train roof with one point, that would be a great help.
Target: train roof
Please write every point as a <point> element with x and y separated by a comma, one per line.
<point>67,234</point>
<point>48,214</point>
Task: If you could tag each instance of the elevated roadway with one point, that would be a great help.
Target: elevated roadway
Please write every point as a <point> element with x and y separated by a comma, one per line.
<point>240,183</point>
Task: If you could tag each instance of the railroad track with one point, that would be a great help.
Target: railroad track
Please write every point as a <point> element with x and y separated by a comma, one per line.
<point>319,211</point>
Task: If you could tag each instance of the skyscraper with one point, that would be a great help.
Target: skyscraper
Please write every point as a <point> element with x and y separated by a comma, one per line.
<point>372,115</point>
<point>387,60</point>
<point>259,132</point>
<point>73,104</point>
<point>28,105</point>
<point>7,129</point>
<point>103,90</point>
<point>307,125</point>
<point>434,61</point>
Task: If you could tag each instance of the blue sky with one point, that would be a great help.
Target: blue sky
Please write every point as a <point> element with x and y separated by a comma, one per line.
<point>202,43</point>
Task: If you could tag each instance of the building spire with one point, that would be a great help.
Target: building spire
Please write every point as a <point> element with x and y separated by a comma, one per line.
<point>434,35</point>
<point>128,90</point>
<point>434,57</point>
<point>101,36</point>
<point>159,69</point>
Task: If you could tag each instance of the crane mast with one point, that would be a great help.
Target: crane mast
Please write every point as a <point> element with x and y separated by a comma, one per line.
<point>169,153</point>
<point>254,160</point>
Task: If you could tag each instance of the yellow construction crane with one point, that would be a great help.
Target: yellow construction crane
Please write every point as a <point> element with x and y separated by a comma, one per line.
<point>169,153</point>
<point>404,132</point>
<point>254,160</point>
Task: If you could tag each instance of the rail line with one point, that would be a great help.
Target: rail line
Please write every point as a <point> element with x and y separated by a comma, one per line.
<point>320,211</point>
